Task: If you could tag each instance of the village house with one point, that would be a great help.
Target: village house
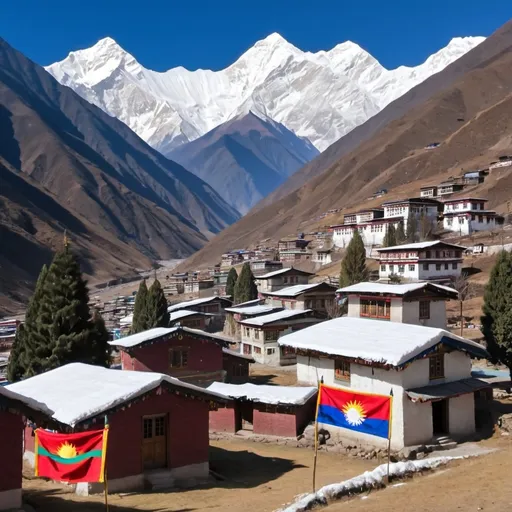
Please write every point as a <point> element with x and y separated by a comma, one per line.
<point>198,285</point>
<point>213,305</point>
<point>449,187</point>
<point>192,319</point>
<point>422,261</point>
<point>260,334</point>
<point>236,365</point>
<point>188,354</point>
<point>322,256</point>
<point>412,303</point>
<point>428,371</point>
<point>278,279</point>
<point>231,258</point>
<point>294,251</point>
<point>296,243</point>
<point>220,279</point>
<point>419,207</point>
<point>474,177</point>
<point>260,267</point>
<point>282,411</point>
<point>316,296</point>
<point>158,425</point>
<point>429,191</point>
<point>243,311</point>
<point>467,215</point>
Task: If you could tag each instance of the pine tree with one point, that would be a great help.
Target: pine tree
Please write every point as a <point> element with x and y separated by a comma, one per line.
<point>231,282</point>
<point>497,311</point>
<point>140,318</point>
<point>390,236</point>
<point>156,306</point>
<point>15,367</point>
<point>100,350</point>
<point>412,228</point>
<point>245,288</point>
<point>353,265</point>
<point>400,234</point>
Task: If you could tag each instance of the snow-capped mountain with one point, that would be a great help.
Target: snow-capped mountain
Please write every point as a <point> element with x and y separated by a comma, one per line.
<point>321,96</point>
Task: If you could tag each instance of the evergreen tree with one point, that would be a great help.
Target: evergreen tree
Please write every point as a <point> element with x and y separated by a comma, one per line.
<point>390,236</point>
<point>140,318</point>
<point>400,234</point>
<point>156,307</point>
<point>15,367</point>
<point>100,350</point>
<point>353,265</point>
<point>245,288</point>
<point>412,228</point>
<point>231,282</point>
<point>497,311</point>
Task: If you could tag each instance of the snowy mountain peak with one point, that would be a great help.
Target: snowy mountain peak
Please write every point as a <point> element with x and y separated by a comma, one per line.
<point>321,96</point>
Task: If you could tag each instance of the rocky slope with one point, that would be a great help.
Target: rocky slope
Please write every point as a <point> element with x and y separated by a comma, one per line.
<point>246,158</point>
<point>467,107</point>
<point>273,78</point>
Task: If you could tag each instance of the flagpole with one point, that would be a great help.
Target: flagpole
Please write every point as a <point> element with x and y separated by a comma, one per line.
<point>105,481</point>
<point>316,432</point>
<point>389,429</point>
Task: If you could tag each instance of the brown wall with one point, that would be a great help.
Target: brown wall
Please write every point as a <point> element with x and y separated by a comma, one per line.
<point>11,451</point>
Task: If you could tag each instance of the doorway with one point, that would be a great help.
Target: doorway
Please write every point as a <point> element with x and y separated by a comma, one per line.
<point>154,441</point>
<point>440,417</point>
<point>246,415</point>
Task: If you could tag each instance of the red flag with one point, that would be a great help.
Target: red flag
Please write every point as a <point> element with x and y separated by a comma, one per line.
<point>71,458</point>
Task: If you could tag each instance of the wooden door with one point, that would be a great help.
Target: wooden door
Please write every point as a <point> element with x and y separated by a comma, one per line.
<point>154,442</point>
<point>246,413</point>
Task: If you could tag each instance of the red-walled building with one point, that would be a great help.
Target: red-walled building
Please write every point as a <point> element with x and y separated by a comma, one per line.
<point>266,410</point>
<point>236,365</point>
<point>158,425</point>
<point>188,354</point>
<point>13,408</point>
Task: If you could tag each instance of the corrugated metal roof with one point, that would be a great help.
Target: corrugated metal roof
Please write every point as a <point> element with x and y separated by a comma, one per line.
<point>446,390</point>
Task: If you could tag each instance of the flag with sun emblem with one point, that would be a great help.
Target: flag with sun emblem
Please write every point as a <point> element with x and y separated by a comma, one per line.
<point>361,412</point>
<point>71,457</point>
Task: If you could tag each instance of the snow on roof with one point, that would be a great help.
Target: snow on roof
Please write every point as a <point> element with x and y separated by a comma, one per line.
<point>252,310</point>
<point>282,271</point>
<point>29,402</point>
<point>77,391</point>
<point>265,394</point>
<point>392,289</point>
<point>183,313</point>
<point>237,354</point>
<point>274,317</point>
<point>391,343</point>
<point>189,303</point>
<point>253,302</point>
<point>418,245</point>
<point>293,291</point>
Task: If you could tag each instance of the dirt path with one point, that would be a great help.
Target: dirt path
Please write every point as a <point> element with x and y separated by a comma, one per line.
<point>264,476</point>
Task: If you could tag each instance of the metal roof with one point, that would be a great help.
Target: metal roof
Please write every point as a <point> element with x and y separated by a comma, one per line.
<point>446,390</point>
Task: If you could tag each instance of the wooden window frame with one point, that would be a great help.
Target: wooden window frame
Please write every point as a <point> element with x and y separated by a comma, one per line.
<point>181,351</point>
<point>436,366</point>
<point>373,307</point>
<point>341,370</point>
<point>424,309</point>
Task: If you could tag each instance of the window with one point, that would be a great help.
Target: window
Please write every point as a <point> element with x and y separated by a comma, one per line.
<point>247,349</point>
<point>341,370</point>
<point>424,309</point>
<point>436,366</point>
<point>374,308</point>
<point>401,269</point>
<point>160,426</point>
<point>438,266</point>
<point>383,268</point>
<point>178,357</point>
<point>257,350</point>
<point>256,334</point>
<point>271,335</point>
<point>426,266</point>
<point>271,351</point>
<point>412,268</point>
<point>391,268</point>
<point>287,351</point>
<point>446,266</point>
<point>427,254</point>
<point>247,332</point>
<point>192,323</point>
<point>147,428</point>
<point>480,218</point>
<point>454,266</point>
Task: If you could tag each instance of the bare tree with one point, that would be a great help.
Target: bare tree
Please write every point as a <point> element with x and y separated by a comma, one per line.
<point>337,307</point>
<point>465,292</point>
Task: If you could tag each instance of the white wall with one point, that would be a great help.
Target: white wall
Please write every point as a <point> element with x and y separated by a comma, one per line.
<point>419,273</point>
<point>411,314</point>
<point>410,271</point>
<point>461,415</point>
<point>464,225</point>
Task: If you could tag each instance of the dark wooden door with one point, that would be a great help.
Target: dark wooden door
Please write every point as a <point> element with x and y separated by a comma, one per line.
<point>246,412</point>
<point>154,442</point>
<point>440,417</point>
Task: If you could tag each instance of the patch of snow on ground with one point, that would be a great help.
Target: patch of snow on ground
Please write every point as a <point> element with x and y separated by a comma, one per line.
<point>362,483</point>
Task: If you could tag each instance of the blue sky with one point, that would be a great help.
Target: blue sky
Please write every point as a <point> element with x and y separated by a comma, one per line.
<point>212,34</point>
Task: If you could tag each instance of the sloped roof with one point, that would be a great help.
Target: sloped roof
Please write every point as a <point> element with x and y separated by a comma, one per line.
<point>419,245</point>
<point>252,310</point>
<point>285,314</point>
<point>293,291</point>
<point>397,289</point>
<point>195,302</point>
<point>284,271</point>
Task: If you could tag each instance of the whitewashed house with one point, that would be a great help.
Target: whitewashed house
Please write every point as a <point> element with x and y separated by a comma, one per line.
<point>322,256</point>
<point>412,303</point>
<point>260,335</point>
<point>422,261</point>
<point>278,279</point>
<point>467,215</point>
<point>428,370</point>
<point>428,191</point>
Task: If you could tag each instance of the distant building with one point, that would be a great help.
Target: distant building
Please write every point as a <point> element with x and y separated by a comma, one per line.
<point>474,177</point>
<point>212,305</point>
<point>191,319</point>
<point>423,261</point>
<point>448,188</point>
<point>231,258</point>
<point>468,215</point>
<point>220,279</point>
<point>196,286</point>
<point>274,281</point>
<point>266,410</point>
<point>260,267</point>
<point>412,303</point>
<point>428,191</point>
<point>295,255</point>
<point>322,256</point>
<point>420,206</point>
<point>236,365</point>
<point>297,243</point>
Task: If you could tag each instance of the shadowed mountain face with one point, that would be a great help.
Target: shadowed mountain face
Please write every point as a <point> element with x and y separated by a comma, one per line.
<point>245,159</point>
<point>467,108</point>
<point>89,173</point>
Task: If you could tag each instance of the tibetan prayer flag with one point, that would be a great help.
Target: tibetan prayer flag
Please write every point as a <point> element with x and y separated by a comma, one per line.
<point>71,458</point>
<point>360,412</point>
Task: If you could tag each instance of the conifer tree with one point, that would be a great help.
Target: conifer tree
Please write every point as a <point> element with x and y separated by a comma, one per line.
<point>231,282</point>
<point>412,228</point>
<point>245,288</point>
<point>156,307</point>
<point>390,236</point>
<point>353,265</point>
<point>100,350</point>
<point>140,317</point>
<point>497,311</point>
<point>15,368</point>
<point>400,234</point>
